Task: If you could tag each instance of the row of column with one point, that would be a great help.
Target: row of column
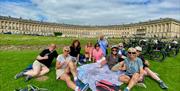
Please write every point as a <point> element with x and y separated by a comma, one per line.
<point>159,30</point>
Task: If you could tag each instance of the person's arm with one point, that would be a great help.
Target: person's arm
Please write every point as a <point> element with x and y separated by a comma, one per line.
<point>122,66</point>
<point>42,55</point>
<point>141,74</point>
<point>79,49</point>
<point>59,64</point>
<point>41,58</point>
<point>90,54</point>
<point>104,62</point>
<point>141,70</point>
<point>146,62</point>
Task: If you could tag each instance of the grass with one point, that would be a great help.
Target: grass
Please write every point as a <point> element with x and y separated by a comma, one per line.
<point>13,61</point>
<point>44,40</point>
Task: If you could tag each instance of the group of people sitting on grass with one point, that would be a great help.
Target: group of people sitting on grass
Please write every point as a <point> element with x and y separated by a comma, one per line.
<point>130,61</point>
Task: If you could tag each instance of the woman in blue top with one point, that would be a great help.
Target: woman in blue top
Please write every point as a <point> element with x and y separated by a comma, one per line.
<point>134,69</point>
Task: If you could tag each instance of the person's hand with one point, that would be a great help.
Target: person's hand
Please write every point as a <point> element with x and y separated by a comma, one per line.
<point>65,63</point>
<point>146,62</point>
<point>100,66</point>
<point>46,57</point>
<point>140,77</point>
<point>103,63</point>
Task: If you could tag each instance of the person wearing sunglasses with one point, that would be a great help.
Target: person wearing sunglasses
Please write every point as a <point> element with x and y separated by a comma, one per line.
<point>64,66</point>
<point>147,70</point>
<point>134,69</point>
<point>113,60</point>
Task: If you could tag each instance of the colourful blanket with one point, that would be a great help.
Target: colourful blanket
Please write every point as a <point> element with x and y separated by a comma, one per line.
<point>90,73</point>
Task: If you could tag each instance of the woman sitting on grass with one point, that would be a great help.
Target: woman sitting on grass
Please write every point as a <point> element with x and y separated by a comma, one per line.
<point>75,50</point>
<point>65,66</point>
<point>88,51</point>
<point>113,60</point>
<point>134,69</point>
<point>97,53</point>
<point>147,71</point>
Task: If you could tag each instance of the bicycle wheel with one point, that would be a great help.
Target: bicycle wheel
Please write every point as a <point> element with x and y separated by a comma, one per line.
<point>172,52</point>
<point>157,55</point>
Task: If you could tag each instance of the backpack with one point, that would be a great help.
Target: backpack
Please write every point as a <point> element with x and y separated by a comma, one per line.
<point>104,85</point>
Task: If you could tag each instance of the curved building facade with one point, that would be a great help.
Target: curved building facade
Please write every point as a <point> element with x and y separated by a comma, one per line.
<point>162,28</point>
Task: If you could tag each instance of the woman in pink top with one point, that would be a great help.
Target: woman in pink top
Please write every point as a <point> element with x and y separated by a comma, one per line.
<point>88,51</point>
<point>97,53</point>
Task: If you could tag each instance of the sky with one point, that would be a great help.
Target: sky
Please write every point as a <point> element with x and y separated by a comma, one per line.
<point>91,12</point>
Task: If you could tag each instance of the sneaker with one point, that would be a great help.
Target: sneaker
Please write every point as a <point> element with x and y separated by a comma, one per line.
<point>84,60</point>
<point>28,78</point>
<point>163,85</point>
<point>89,60</point>
<point>141,85</point>
<point>84,87</point>
<point>21,74</point>
<point>80,63</point>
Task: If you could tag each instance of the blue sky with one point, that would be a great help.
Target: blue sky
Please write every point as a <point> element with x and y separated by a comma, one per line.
<point>91,12</point>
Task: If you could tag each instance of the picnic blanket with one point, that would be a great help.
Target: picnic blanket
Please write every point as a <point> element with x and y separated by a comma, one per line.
<point>90,73</point>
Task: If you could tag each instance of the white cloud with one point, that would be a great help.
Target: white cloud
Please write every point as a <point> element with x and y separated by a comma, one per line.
<point>93,11</point>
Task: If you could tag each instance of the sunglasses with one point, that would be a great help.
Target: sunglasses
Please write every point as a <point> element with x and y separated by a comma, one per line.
<point>131,52</point>
<point>66,50</point>
<point>114,50</point>
<point>138,51</point>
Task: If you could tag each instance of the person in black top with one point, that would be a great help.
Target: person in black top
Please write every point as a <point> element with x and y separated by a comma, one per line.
<point>147,70</point>
<point>75,50</point>
<point>42,63</point>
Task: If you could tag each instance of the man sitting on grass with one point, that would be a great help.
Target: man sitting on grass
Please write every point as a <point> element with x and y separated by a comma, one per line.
<point>65,66</point>
<point>41,65</point>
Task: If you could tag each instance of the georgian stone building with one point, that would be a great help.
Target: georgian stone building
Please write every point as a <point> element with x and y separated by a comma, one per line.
<point>162,28</point>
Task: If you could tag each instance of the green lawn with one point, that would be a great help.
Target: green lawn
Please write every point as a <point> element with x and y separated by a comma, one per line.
<point>44,40</point>
<point>13,61</point>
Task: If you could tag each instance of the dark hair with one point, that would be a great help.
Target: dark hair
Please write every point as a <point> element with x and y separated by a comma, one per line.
<point>73,44</point>
<point>97,44</point>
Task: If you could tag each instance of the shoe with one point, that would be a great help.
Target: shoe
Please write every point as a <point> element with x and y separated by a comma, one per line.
<point>84,87</point>
<point>84,60</point>
<point>163,85</point>
<point>21,74</point>
<point>28,78</point>
<point>141,85</point>
<point>125,89</point>
<point>80,63</point>
<point>89,60</point>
